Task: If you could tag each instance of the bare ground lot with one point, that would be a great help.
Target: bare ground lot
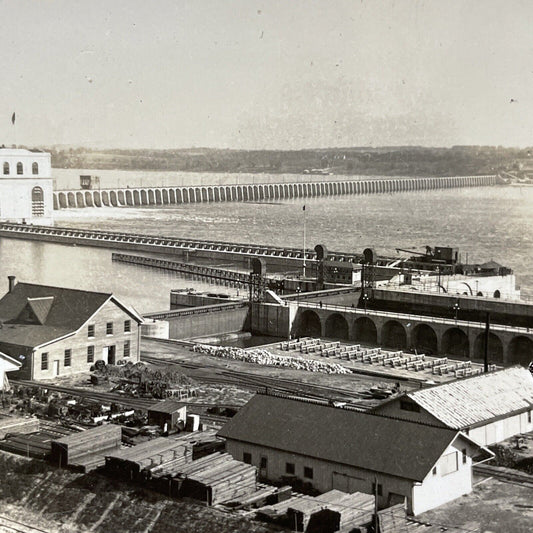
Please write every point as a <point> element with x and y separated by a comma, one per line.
<point>493,506</point>
<point>53,500</point>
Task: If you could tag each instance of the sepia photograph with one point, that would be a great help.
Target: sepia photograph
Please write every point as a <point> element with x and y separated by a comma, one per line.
<point>266,266</point>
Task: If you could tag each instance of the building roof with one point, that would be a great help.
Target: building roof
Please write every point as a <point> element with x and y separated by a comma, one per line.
<point>166,406</point>
<point>8,363</point>
<point>476,400</point>
<point>32,314</point>
<point>363,440</point>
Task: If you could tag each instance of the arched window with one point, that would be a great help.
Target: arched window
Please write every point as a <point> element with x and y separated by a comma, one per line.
<point>35,168</point>
<point>37,202</point>
<point>20,169</point>
<point>497,294</point>
<point>6,168</point>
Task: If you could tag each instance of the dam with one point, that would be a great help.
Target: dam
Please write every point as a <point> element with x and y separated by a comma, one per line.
<point>153,196</point>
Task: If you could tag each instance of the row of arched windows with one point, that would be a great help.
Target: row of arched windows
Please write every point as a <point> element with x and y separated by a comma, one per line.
<point>20,169</point>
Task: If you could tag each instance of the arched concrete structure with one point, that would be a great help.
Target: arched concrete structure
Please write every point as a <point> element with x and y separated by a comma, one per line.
<point>424,339</point>
<point>310,325</point>
<point>393,335</point>
<point>495,348</point>
<point>365,330</point>
<point>455,342</point>
<point>226,193</point>
<point>336,327</point>
<point>520,351</point>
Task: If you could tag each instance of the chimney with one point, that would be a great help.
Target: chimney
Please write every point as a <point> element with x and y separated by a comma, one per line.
<point>11,282</point>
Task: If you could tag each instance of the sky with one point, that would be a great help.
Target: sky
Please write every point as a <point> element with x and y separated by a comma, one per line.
<point>266,74</point>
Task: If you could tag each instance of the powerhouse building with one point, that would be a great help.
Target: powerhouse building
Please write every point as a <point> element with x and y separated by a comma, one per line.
<point>26,187</point>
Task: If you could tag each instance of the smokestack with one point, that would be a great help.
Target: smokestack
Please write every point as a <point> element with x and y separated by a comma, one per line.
<point>487,333</point>
<point>12,281</point>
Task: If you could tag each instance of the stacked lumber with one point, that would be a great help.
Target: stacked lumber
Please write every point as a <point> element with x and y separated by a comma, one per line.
<point>17,424</point>
<point>218,479</point>
<point>264,495</point>
<point>129,462</point>
<point>37,444</point>
<point>86,450</point>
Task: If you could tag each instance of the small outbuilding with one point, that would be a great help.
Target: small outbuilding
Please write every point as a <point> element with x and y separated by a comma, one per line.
<point>167,414</point>
<point>7,364</point>
<point>489,407</point>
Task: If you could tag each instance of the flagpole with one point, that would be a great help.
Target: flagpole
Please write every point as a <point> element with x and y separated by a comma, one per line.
<point>304,243</point>
<point>13,121</point>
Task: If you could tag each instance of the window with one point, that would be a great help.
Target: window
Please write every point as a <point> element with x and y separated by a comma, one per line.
<point>380,489</point>
<point>449,463</point>
<point>247,458</point>
<point>20,169</point>
<point>308,472</point>
<point>37,202</point>
<point>6,168</point>
<point>127,326</point>
<point>109,328</point>
<point>289,468</point>
<point>126,348</point>
<point>68,356</point>
<point>434,471</point>
<point>35,168</point>
<point>263,463</point>
<point>90,331</point>
<point>44,361</point>
<point>90,354</point>
<point>465,457</point>
<point>529,417</point>
<point>407,405</point>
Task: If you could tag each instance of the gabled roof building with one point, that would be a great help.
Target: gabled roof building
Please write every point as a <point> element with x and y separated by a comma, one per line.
<point>54,331</point>
<point>489,407</point>
<point>330,448</point>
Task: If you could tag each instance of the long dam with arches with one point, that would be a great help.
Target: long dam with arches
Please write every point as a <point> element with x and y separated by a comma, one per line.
<point>329,186</point>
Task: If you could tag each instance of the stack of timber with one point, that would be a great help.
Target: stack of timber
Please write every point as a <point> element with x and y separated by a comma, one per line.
<point>17,424</point>
<point>264,495</point>
<point>395,520</point>
<point>217,478</point>
<point>86,450</point>
<point>129,462</point>
<point>37,444</point>
<point>332,511</point>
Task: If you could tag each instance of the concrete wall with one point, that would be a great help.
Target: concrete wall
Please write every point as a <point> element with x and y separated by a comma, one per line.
<point>186,326</point>
<point>79,342</point>
<point>471,308</point>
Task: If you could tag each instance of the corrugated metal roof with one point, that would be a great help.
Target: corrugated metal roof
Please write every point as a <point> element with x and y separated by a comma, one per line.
<point>467,402</point>
<point>392,446</point>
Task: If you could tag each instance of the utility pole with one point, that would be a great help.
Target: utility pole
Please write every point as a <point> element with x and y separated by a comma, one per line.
<point>487,333</point>
<point>304,240</point>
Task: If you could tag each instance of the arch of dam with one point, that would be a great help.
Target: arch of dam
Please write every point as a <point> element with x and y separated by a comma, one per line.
<point>425,334</point>
<point>145,196</point>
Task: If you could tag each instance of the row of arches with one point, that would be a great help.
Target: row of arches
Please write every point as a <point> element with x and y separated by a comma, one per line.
<point>20,168</point>
<point>243,193</point>
<point>393,334</point>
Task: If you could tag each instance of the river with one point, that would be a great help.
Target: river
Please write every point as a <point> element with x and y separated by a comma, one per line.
<point>485,223</point>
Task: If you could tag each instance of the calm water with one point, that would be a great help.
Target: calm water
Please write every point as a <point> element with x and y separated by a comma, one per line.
<point>485,223</point>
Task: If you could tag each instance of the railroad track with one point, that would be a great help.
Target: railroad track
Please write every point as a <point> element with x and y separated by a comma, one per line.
<point>255,382</point>
<point>8,525</point>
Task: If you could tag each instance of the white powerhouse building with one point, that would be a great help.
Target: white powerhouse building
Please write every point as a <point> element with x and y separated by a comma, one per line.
<point>25,186</point>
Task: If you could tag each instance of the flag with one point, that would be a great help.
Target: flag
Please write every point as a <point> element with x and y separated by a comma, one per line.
<point>303,208</point>
<point>13,118</point>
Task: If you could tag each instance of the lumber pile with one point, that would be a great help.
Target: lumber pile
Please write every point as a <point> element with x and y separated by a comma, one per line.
<point>261,356</point>
<point>86,449</point>
<point>129,462</point>
<point>17,424</point>
<point>218,478</point>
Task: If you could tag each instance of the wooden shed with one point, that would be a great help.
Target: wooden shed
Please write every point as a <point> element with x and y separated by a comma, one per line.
<point>167,414</point>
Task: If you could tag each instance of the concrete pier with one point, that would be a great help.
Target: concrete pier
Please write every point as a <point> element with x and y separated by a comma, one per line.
<point>145,196</point>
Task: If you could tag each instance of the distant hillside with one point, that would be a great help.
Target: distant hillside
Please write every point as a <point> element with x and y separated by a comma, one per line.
<point>370,161</point>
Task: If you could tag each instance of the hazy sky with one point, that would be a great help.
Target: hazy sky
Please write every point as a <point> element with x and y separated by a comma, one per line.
<point>266,74</point>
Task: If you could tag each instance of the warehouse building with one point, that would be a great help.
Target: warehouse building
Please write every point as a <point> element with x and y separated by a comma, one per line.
<point>326,447</point>
<point>489,407</point>
<point>53,331</point>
